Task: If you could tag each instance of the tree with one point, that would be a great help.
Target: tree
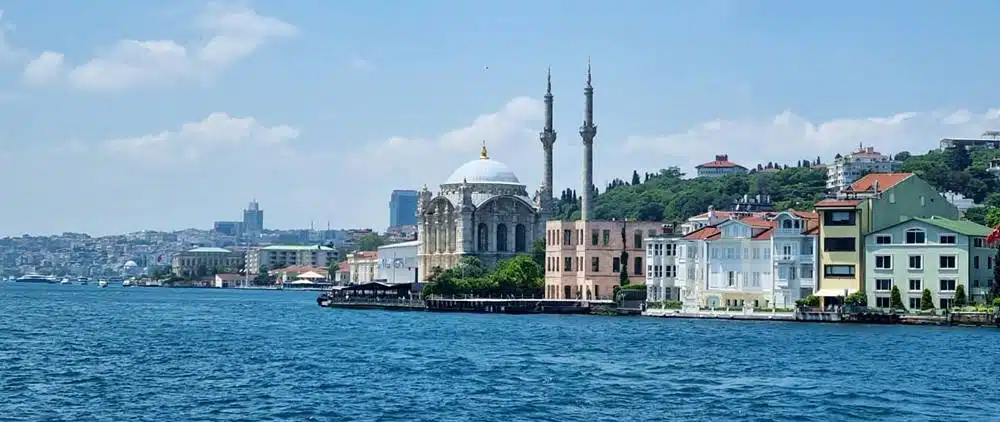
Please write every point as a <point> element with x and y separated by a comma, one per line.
<point>635,178</point>
<point>623,271</point>
<point>858,298</point>
<point>959,158</point>
<point>370,242</point>
<point>896,300</point>
<point>960,299</point>
<point>538,252</point>
<point>201,270</point>
<point>926,301</point>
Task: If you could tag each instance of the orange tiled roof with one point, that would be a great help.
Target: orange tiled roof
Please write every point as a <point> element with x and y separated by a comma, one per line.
<point>884,180</point>
<point>719,164</point>
<point>344,267</point>
<point>764,221</point>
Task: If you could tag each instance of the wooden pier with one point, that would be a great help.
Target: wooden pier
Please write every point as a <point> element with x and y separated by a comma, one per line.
<point>473,305</point>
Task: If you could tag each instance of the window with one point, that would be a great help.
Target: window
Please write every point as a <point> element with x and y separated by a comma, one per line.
<point>520,238</point>
<point>883,239</point>
<point>882,302</point>
<point>501,237</point>
<point>729,253</point>
<point>671,271</point>
<point>975,262</point>
<point>593,237</point>
<point>838,271</point>
<point>605,237</point>
<point>948,239</point>
<point>637,239</point>
<point>975,283</point>
<point>767,253</point>
<point>916,262</point>
<point>915,236</point>
<point>947,303</point>
<point>947,262</point>
<point>989,263</point>
<point>948,285</point>
<point>755,282</point>
<point>839,218</point>
<point>883,284</point>
<point>786,250</point>
<point>616,265</point>
<point>568,264</point>
<point>731,279</point>
<point>914,303</point>
<point>883,262</point>
<point>915,284</point>
<point>756,253</point>
<point>806,272</point>
<point>671,249</point>
<point>637,267</point>
<point>977,242</point>
<point>838,244</point>
<point>715,252</point>
<point>595,264</point>
<point>567,237</point>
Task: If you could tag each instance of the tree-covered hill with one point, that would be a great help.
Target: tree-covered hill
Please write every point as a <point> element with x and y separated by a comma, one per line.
<point>961,171</point>
<point>668,196</point>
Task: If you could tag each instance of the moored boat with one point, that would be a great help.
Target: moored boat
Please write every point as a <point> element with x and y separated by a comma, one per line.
<point>35,278</point>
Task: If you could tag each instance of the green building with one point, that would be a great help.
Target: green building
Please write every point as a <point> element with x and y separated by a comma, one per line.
<point>934,253</point>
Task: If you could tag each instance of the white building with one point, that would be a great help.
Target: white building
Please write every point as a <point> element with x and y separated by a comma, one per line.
<point>363,266</point>
<point>277,256</point>
<point>766,260</point>
<point>397,263</point>
<point>847,169</point>
<point>719,167</point>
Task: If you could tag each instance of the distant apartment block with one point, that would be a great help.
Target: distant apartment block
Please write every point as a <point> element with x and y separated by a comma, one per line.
<point>229,228</point>
<point>970,143</point>
<point>719,167</point>
<point>204,261</point>
<point>403,208</point>
<point>846,169</point>
<point>253,219</point>
<point>278,256</point>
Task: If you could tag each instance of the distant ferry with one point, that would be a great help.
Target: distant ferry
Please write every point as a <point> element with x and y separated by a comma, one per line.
<point>36,278</point>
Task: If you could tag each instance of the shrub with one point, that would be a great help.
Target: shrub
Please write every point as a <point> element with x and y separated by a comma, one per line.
<point>960,299</point>
<point>811,301</point>
<point>926,301</point>
<point>671,304</point>
<point>858,298</point>
<point>896,300</point>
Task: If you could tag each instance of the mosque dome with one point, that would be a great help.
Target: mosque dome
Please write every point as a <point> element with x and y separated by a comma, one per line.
<point>483,170</point>
<point>131,264</point>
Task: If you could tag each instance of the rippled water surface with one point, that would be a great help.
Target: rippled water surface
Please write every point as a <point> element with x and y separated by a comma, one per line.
<point>79,353</point>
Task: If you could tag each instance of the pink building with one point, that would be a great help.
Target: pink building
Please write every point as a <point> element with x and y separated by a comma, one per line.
<point>583,258</point>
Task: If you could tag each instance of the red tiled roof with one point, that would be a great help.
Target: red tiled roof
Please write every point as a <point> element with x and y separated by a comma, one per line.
<point>719,164</point>
<point>842,203</point>
<point>760,220</point>
<point>884,180</point>
<point>344,267</point>
<point>366,254</point>
<point>704,233</point>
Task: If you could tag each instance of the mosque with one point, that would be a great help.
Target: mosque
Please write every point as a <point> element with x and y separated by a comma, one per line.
<point>484,210</point>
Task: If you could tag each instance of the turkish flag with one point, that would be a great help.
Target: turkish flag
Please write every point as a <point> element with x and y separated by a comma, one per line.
<point>994,236</point>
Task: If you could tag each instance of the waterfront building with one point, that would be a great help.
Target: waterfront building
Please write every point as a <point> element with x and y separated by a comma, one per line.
<point>846,169</point>
<point>294,272</point>
<point>403,208</point>
<point>874,202</point>
<point>363,266</point>
<point>584,259</point>
<point>203,261</point>
<point>277,256</point>
<point>936,253</point>
<point>484,210</point>
<point>397,262</point>
<point>762,260</point>
<point>343,275</point>
<point>720,166</point>
<point>661,264</point>
<point>228,280</point>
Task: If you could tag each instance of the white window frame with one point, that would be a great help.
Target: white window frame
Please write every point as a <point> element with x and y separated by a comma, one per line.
<point>947,279</point>
<point>914,230</point>
<point>920,285</point>
<point>909,261</point>
<point>889,257</point>
<point>889,288</point>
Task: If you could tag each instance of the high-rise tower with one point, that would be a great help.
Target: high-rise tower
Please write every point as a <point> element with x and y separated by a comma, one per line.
<point>548,138</point>
<point>588,131</point>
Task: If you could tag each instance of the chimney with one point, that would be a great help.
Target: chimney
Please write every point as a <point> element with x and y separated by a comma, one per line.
<point>711,213</point>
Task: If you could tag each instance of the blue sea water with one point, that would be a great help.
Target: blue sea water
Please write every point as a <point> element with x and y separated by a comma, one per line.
<point>79,353</point>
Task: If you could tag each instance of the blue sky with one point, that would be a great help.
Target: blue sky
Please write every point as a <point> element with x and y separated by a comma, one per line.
<point>122,115</point>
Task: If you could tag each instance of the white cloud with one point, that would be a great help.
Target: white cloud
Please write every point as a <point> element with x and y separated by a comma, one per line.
<point>219,133</point>
<point>360,63</point>
<point>184,176</point>
<point>787,137</point>
<point>230,34</point>
<point>45,68</point>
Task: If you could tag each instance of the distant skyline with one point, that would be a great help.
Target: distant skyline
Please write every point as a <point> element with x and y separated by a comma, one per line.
<point>122,116</point>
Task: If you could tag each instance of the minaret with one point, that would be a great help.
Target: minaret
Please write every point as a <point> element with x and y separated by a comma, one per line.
<point>588,131</point>
<point>548,138</point>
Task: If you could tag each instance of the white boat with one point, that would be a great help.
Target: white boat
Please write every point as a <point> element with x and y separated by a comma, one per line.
<point>36,278</point>
<point>102,283</point>
<point>65,280</point>
<point>127,283</point>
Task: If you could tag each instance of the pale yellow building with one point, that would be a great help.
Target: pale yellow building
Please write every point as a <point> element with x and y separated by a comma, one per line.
<point>205,261</point>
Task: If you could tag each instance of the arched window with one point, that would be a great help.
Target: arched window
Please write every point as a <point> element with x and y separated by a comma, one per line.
<point>483,238</point>
<point>501,237</point>
<point>520,238</point>
<point>787,224</point>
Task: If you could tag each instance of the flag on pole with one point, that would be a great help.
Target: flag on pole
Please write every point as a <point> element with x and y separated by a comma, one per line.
<point>994,236</point>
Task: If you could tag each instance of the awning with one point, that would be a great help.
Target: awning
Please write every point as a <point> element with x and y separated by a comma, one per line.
<point>834,292</point>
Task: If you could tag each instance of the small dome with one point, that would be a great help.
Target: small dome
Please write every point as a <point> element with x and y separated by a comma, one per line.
<point>131,264</point>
